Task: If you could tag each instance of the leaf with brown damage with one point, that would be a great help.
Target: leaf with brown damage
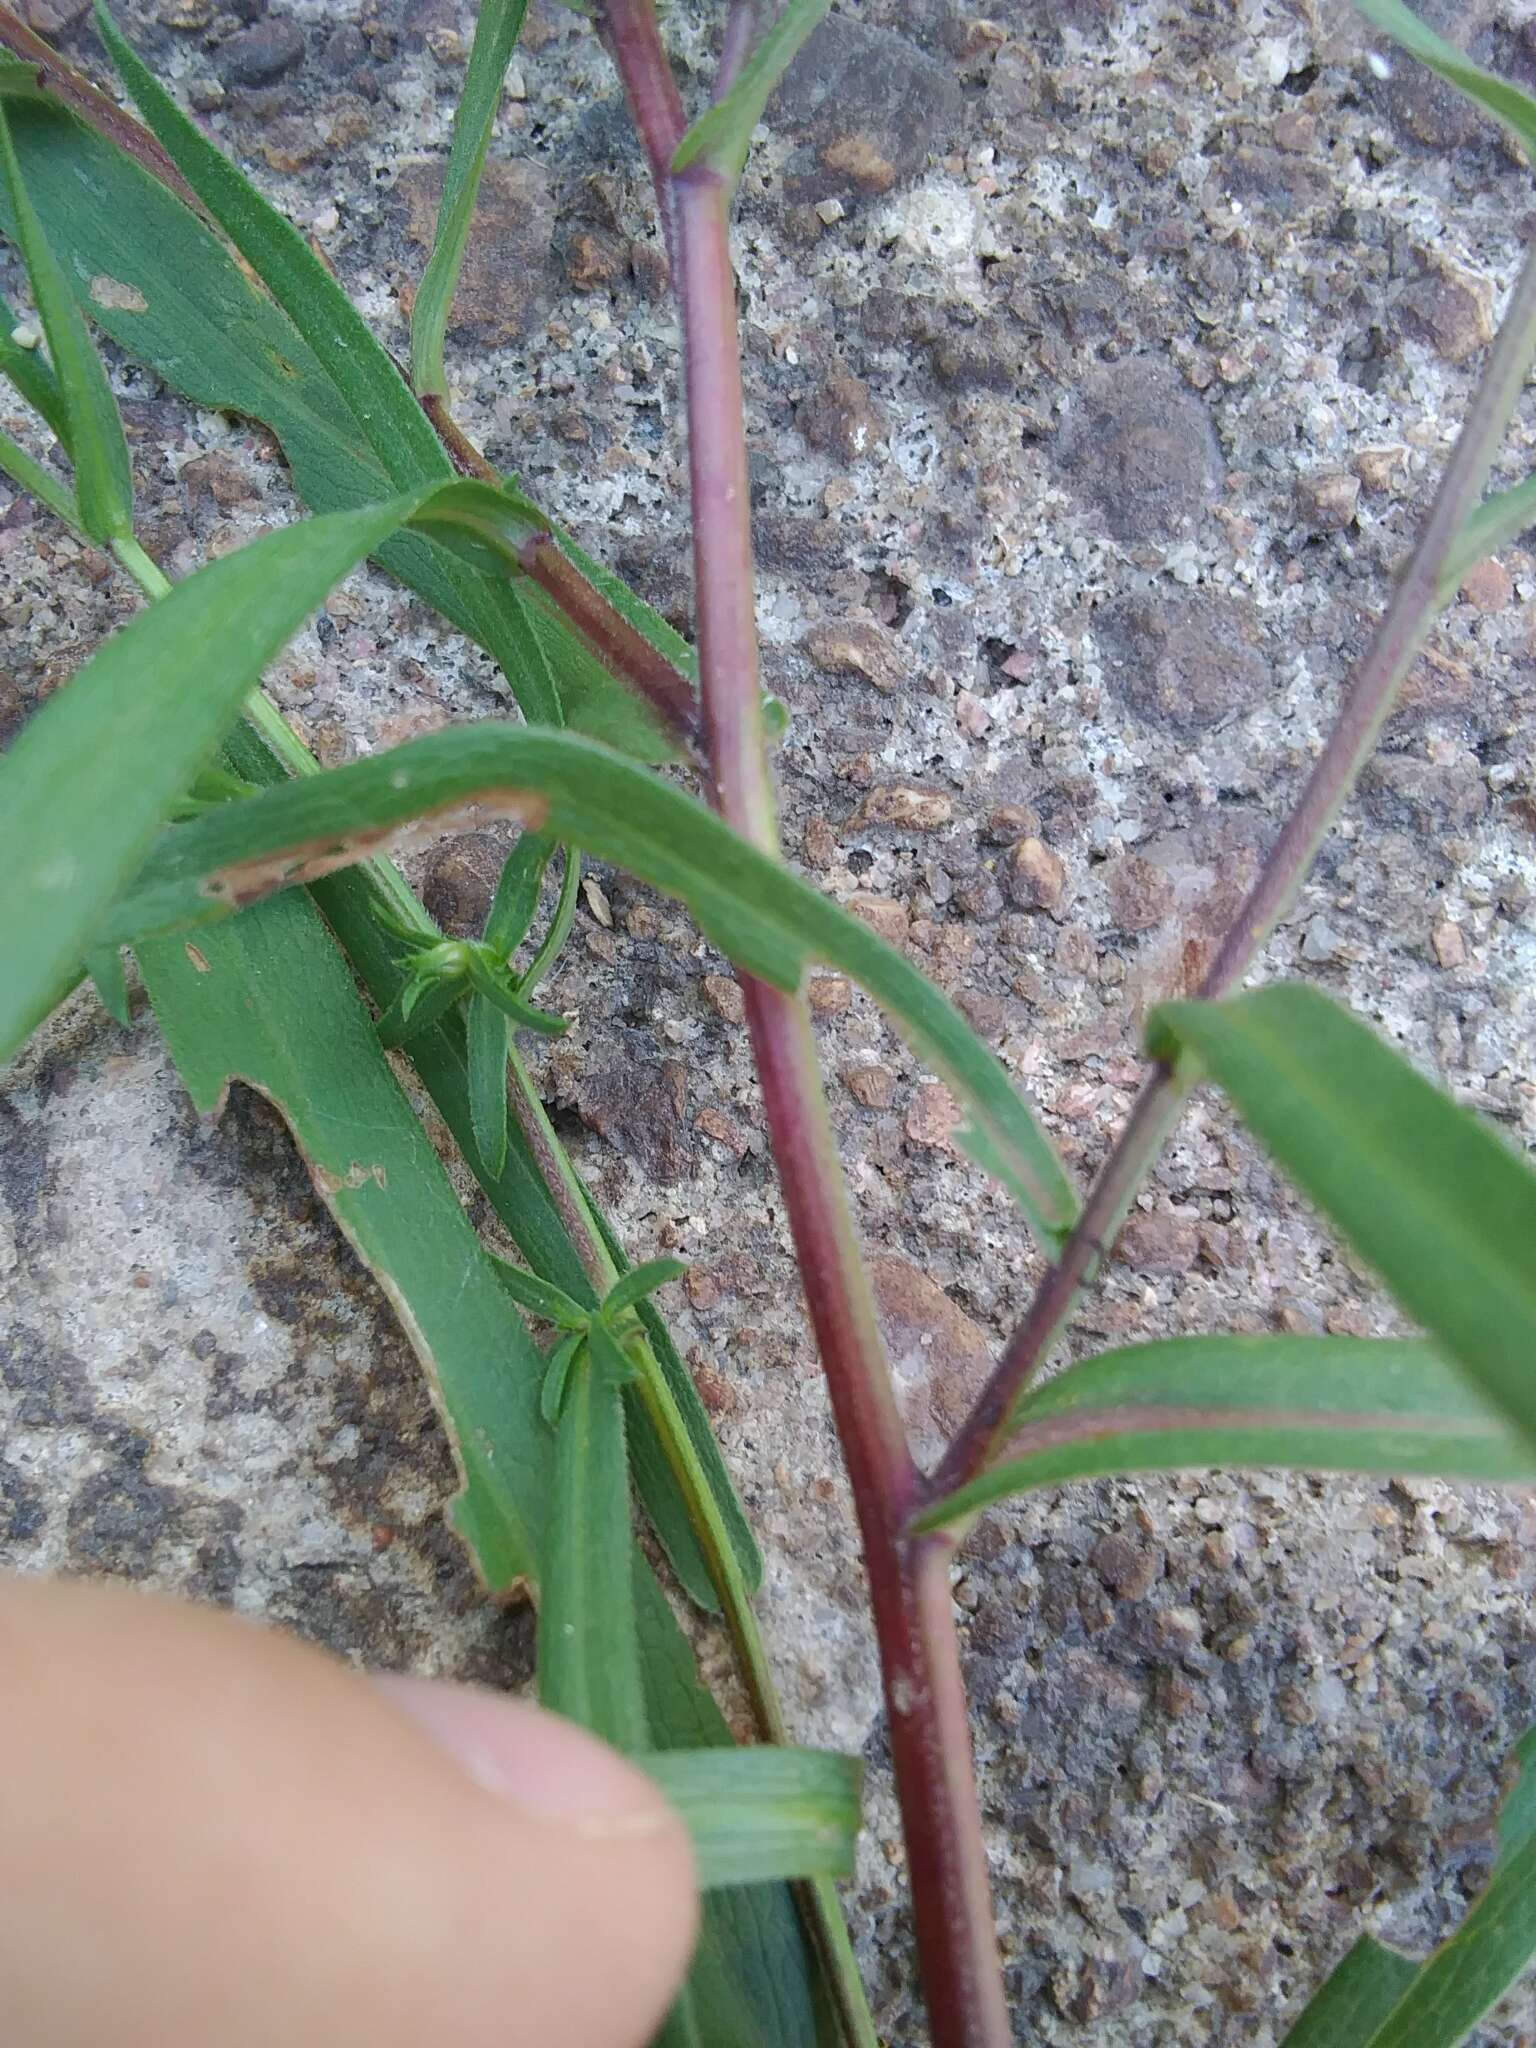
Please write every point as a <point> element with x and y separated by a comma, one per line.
<point>306,1043</point>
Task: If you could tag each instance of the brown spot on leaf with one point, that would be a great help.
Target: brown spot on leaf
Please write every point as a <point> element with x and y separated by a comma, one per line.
<point>248,881</point>
<point>116,297</point>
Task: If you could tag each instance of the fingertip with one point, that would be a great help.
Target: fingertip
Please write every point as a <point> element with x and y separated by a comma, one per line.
<point>610,1860</point>
<point>209,1832</point>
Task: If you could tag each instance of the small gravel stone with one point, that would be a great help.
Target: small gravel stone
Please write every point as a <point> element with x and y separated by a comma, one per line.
<point>829,995</point>
<point>904,804</point>
<point>932,1115</point>
<point>723,994</point>
<point>1449,311</point>
<point>872,1087</point>
<point>1035,878</point>
<point>1320,943</point>
<point>883,915</point>
<point>866,106</point>
<point>1139,444</point>
<point>261,53</point>
<point>843,419</point>
<point>1140,893</point>
<point>1098,1988</point>
<point>461,883</point>
<point>939,1356</point>
<point>1488,588</point>
<point>1151,1242</point>
<point>1184,661</point>
<point>1449,943</point>
<point>858,647</point>
<point>507,270</point>
<point>1327,501</point>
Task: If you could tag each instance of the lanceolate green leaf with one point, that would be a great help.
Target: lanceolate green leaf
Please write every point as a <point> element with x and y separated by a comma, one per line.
<point>541,1298</point>
<point>654,1453</point>
<point>111,982</point>
<point>103,481</point>
<point>394,425</point>
<point>637,1283</point>
<point>486,1033</point>
<point>755,910</point>
<point>311,1053</point>
<point>496,32</point>
<point>754,1981</point>
<point>516,901</point>
<point>1322,1404</point>
<point>1517,1816</point>
<point>589,1648</point>
<point>722,137</point>
<point>1505,102</point>
<point>1439,1205</point>
<point>764,1813</point>
<point>101,764</point>
<point>267,999</point>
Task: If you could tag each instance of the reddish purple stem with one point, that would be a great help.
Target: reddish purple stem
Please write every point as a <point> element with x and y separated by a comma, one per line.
<point>908,1577</point>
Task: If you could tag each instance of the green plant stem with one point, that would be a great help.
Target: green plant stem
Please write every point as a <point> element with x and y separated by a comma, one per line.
<point>909,1583</point>
<point>1372,692</point>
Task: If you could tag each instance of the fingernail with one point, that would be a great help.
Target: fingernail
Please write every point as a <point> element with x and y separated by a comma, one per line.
<point>546,1766</point>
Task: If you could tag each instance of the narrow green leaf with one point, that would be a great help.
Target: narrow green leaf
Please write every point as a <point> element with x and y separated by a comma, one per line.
<point>753,908</point>
<point>1425,1191</point>
<point>33,375</point>
<point>1503,517</point>
<point>103,481</point>
<point>498,991</point>
<point>552,945</point>
<point>1496,96</point>
<point>754,1981</point>
<point>105,968</point>
<point>416,1009</point>
<point>653,1457</point>
<point>486,1030</point>
<point>637,1283</point>
<point>1320,1404</point>
<point>516,902</point>
<point>41,483</point>
<point>542,1298</point>
<point>378,403</point>
<point>1356,2000</point>
<point>267,999</point>
<point>496,32</point>
<point>722,137</point>
<point>557,1376</point>
<point>101,763</point>
<point>763,1813</point>
<point>396,429</point>
<point>589,1647</point>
